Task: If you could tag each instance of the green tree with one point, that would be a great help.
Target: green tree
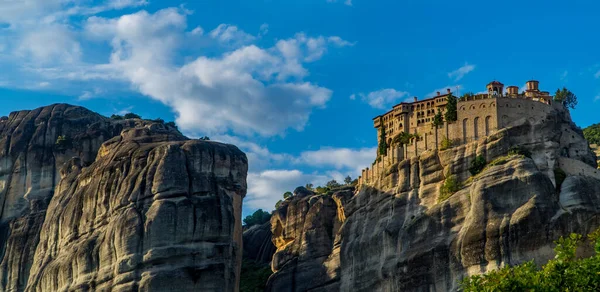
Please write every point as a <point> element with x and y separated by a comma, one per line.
<point>563,273</point>
<point>477,165</point>
<point>451,114</point>
<point>287,195</point>
<point>592,134</point>
<point>382,151</point>
<point>278,204</point>
<point>566,97</point>
<point>116,117</point>
<point>205,138</point>
<point>332,184</point>
<point>438,120</point>
<point>63,142</point>
<point>309,186</point>
<point>257,218</point>
<point>171,125</point>
<point>131,116</point>
<point>254,276</point>
<point>348,180</point>
<point>450,186</point>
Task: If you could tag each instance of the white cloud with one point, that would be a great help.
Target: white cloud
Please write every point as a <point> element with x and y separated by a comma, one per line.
<point>263,30</point>
<point>459,73</point>
<point>247,90</point>
<point>52,43</point>
<point>353,96</point>
<point>382,99</point>
<point>197,31</point>
<point>231,35</point>
<point>597,98</point>
<point>267,187</point>
<point>346,2</point>
<point>597,75</point>
<point>563,76</point>
<point>346,159</point>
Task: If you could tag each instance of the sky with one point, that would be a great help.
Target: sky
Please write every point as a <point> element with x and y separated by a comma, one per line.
<point>293,83</point>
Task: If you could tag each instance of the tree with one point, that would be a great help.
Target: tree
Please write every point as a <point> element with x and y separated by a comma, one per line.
<point>278,204</point>
<point>171,125</point>
<point>205,138</point>
<point>592,134</point>
<point>309,186</point>
<point>438,120</point>
<point>63,142</point>
<point>116,117</point>
<point>451,115</point>
<point>332,184</point>
<point>477,165</point>
<point>348,180</point>
<point>566,97</point>
<point>131,116</point>
<point>287,195</point>
<point>382,143</point>
<point>257,218</point>
<point>563,273</point>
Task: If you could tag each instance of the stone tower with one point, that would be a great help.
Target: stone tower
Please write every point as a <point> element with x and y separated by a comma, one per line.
<point>495,88</point>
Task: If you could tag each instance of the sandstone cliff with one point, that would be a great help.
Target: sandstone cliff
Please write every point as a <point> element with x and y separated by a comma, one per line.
<point>118,205</point>
<point>258,245</point>
<point>399,234</point>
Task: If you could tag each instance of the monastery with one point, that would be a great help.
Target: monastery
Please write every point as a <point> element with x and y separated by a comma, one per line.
<point>477,116</point>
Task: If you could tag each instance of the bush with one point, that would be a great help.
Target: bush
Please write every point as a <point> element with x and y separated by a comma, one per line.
<point>171,125</point>
<point>446,143</point>
<point>563,273</point>
<point>559,178</point>
<point>477,165</point>
<point>450,186</point>
<point>131,116</point>
<point>63,142</point>
<point>205,138</point>
<point>257,218</point>
<point>517,150</point>
<point>287,195</point>
<point>116,117</point>
<point>254,276</point>
<point>159,120</point>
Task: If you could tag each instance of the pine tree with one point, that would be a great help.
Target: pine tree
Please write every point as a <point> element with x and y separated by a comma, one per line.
<point>451,115</point>
<point>382,143</point>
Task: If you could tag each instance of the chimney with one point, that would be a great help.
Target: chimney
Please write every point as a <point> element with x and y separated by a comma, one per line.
<point>448,90</point>
<point>415,99</point>
<point>438,93</point>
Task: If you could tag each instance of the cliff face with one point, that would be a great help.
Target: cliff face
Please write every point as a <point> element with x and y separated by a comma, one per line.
<point>258,245</point>
<point>147,210</point>
<point>399,234</point>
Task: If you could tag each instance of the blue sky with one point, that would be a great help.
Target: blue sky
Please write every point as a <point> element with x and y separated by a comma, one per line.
<point>294,84</point>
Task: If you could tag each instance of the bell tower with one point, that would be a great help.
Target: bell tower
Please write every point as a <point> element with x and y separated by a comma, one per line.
<point>495,88</point>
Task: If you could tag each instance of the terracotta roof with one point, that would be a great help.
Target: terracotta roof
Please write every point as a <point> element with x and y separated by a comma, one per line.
<point>495,83</point>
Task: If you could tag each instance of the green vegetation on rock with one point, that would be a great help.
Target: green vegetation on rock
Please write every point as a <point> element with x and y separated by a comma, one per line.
<point>592,134</point>
<point>257,218</point>
<point>451,114</point>
<point>566,97</point>
<point>254,276</point>
<point>450,186</point>
<point>477,165</point>
<point>563,273</point>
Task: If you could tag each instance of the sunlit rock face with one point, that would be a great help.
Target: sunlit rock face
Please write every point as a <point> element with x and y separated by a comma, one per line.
<point>124,205</point>
<point>398,234</point>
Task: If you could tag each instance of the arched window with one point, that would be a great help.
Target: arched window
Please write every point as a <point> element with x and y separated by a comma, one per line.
<point>476,128</point>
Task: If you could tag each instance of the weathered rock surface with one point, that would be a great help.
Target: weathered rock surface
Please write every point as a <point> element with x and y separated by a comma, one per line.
<point>147,210</point>
<point>397,234</point>
<point>258,245</point>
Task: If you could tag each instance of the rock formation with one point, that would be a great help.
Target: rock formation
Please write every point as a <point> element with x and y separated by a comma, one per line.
<point>115,205</point>
<point>258,246</point>
<point>399,234</point>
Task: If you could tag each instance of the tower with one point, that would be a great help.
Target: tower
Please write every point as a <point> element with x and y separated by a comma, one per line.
<point>495,88</point>
<point>532,88</point>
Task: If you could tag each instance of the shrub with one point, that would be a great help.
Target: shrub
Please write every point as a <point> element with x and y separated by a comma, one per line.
<point>446,143</point>
<point>132,116</point>
<point>450,186</point>
<point>499,161</point>
<point>477,165</point>
<point>517,150</point>
<point>287,195</point>
<point>278,204</point>
<point>116,117</point>
<point>159,120</point>
<point>63,142</point>
<point>205,138</point>
<point>559,177</point>
<point>565,272</point>
<point>254,276</point>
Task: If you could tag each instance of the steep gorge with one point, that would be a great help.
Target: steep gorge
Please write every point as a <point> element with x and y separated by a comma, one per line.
<point>398,234</point>
<point>118,205</point>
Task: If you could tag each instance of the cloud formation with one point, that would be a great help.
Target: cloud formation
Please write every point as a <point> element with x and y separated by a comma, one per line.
<point>382,99</point>
<point>459,73</point>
